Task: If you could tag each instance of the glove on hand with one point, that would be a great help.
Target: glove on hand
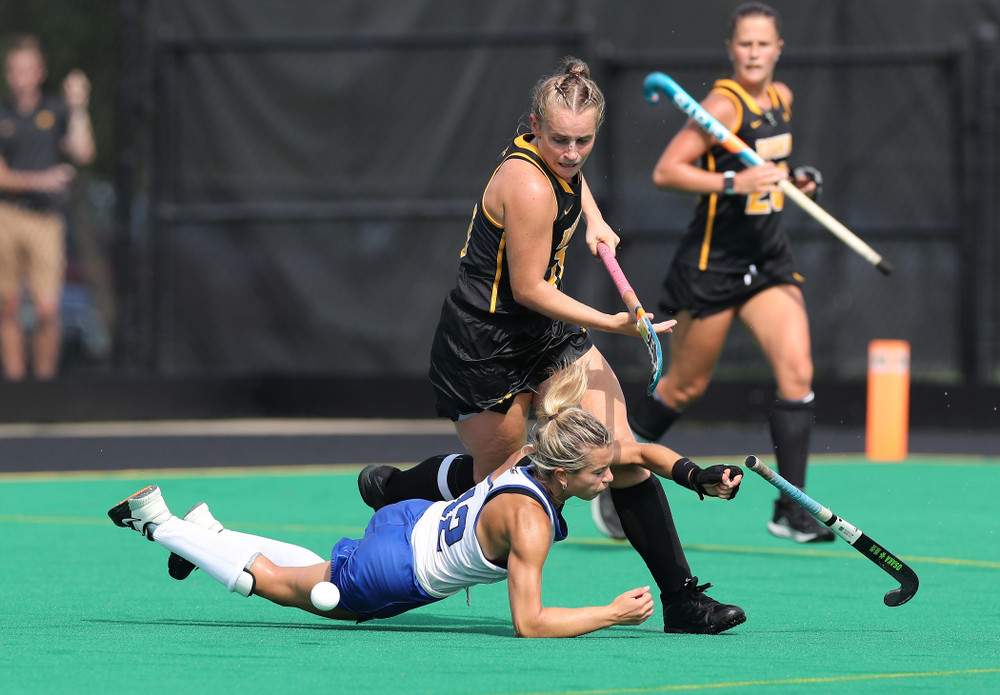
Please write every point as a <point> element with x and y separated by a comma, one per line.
<point>713,476</point>
<point>692,476</point>
<point>813,174</point>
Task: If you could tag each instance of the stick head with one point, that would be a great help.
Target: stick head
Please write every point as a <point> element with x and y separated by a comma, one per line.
<point>908,585</point>
<point>655,83</point>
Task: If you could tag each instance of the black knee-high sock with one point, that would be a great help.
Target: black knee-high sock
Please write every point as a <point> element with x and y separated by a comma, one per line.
<point>651,418</point>
<point>422,482</point>
<point>649,527</point>
<point>791,427</point>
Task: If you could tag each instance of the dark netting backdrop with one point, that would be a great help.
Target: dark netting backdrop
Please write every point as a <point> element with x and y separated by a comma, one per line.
<point>310,170</point>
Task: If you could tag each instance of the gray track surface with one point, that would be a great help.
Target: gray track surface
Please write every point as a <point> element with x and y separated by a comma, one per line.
<point>206,444</point>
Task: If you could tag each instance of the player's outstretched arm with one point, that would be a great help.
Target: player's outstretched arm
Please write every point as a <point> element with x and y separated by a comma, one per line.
<point>721,481</point>
<point>529,546</point>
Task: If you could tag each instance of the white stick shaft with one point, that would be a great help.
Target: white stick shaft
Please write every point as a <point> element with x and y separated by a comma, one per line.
<point>813,209</point>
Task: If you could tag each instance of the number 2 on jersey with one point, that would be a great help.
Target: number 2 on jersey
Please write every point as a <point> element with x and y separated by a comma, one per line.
<point>766,202</point>
<point>452,526</point>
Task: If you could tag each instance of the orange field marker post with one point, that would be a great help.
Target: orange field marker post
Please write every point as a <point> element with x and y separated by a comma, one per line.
<point>888,421</point>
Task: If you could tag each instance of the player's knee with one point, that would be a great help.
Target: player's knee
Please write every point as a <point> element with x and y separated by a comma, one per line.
<point>795,381</point>
<point>47,312</point>
<point>679,396</point>
<point>10,308</point>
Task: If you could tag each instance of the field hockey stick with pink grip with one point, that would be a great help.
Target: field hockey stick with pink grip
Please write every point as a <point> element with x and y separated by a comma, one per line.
<point>642,321</point>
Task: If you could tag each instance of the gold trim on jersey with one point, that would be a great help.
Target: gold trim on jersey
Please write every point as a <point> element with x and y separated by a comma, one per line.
<point>736,87</point>
<point>496,278</point>
<point>721,87</point>
<point>733,98</point>
<point>555,271</point>
<point>521,142</point>
<point>777,100</point>
<point>713,201</point>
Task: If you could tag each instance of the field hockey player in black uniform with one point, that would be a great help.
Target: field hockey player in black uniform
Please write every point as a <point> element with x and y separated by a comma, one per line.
<point>735,262</point>
<point>507,325</point>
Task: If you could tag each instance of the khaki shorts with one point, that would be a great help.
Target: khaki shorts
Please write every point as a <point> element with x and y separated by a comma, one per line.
<point>32,251</point>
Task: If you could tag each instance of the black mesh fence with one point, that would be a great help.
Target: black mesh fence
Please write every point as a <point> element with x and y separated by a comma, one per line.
<point>283,188</point>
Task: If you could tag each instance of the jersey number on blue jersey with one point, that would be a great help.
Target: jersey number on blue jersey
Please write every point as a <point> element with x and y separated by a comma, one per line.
<point>452,526</point>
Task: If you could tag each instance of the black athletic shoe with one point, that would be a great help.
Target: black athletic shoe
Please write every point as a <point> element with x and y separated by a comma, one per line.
<point>371,484</point>
<point>199,515</point>
<point>793,522</point>
<point>690,611</point>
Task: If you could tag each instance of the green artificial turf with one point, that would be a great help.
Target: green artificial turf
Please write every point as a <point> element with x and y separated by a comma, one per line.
<point>88,607</point>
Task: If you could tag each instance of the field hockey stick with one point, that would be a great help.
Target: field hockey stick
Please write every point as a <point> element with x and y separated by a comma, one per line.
<point>891,564</point>
<point>657,82</point>
<point>642,321</point>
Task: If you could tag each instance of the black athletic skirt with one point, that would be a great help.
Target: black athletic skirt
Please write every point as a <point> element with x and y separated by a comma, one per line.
<point>480,361</point>
<point>715,289</point>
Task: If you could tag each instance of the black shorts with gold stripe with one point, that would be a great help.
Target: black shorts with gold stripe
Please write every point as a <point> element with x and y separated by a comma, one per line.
<point>715,289</point>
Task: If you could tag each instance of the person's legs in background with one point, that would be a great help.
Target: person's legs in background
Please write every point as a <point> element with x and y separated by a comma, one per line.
<point>778,321</point>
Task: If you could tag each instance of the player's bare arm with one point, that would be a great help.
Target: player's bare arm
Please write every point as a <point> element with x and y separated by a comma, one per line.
<point>529,207</point>
<point>715,481</point>
<point>528,530</point>
<point>677,170</point>
<point>78,142</point>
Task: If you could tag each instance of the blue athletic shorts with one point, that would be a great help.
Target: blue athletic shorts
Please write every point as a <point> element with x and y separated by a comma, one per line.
<point>375,574</point>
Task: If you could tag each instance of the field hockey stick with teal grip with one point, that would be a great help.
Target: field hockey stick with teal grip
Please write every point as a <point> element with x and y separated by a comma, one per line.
<point>642,321</point>
<point>657,83</point>
<point>855,537</point>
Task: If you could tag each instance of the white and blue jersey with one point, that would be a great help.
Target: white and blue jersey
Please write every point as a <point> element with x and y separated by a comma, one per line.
<point>416,552</point>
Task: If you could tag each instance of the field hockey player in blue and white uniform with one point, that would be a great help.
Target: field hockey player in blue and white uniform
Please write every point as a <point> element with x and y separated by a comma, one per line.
<point>417,552</point>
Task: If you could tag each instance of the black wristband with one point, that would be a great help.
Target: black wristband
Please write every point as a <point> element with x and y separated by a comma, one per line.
<point>683,474</point>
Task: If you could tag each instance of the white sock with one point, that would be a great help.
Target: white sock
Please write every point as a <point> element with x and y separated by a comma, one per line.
<point>278,552</point>
<point>442,477</point>
<point>224,559</point>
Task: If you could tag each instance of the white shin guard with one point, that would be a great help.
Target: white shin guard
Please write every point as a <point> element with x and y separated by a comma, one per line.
<point>278,552</point>
<point>225,559</point>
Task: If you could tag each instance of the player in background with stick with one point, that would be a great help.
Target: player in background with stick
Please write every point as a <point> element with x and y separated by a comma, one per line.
<point>735,262</point>
<point>507,323</point>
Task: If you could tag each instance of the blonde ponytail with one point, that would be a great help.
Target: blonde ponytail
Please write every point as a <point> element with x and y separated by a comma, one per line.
<point>566,433</point>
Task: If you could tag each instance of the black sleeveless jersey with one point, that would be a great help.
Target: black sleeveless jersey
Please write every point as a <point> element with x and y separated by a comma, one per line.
<point>731,232</point>
<point>483,275</point>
